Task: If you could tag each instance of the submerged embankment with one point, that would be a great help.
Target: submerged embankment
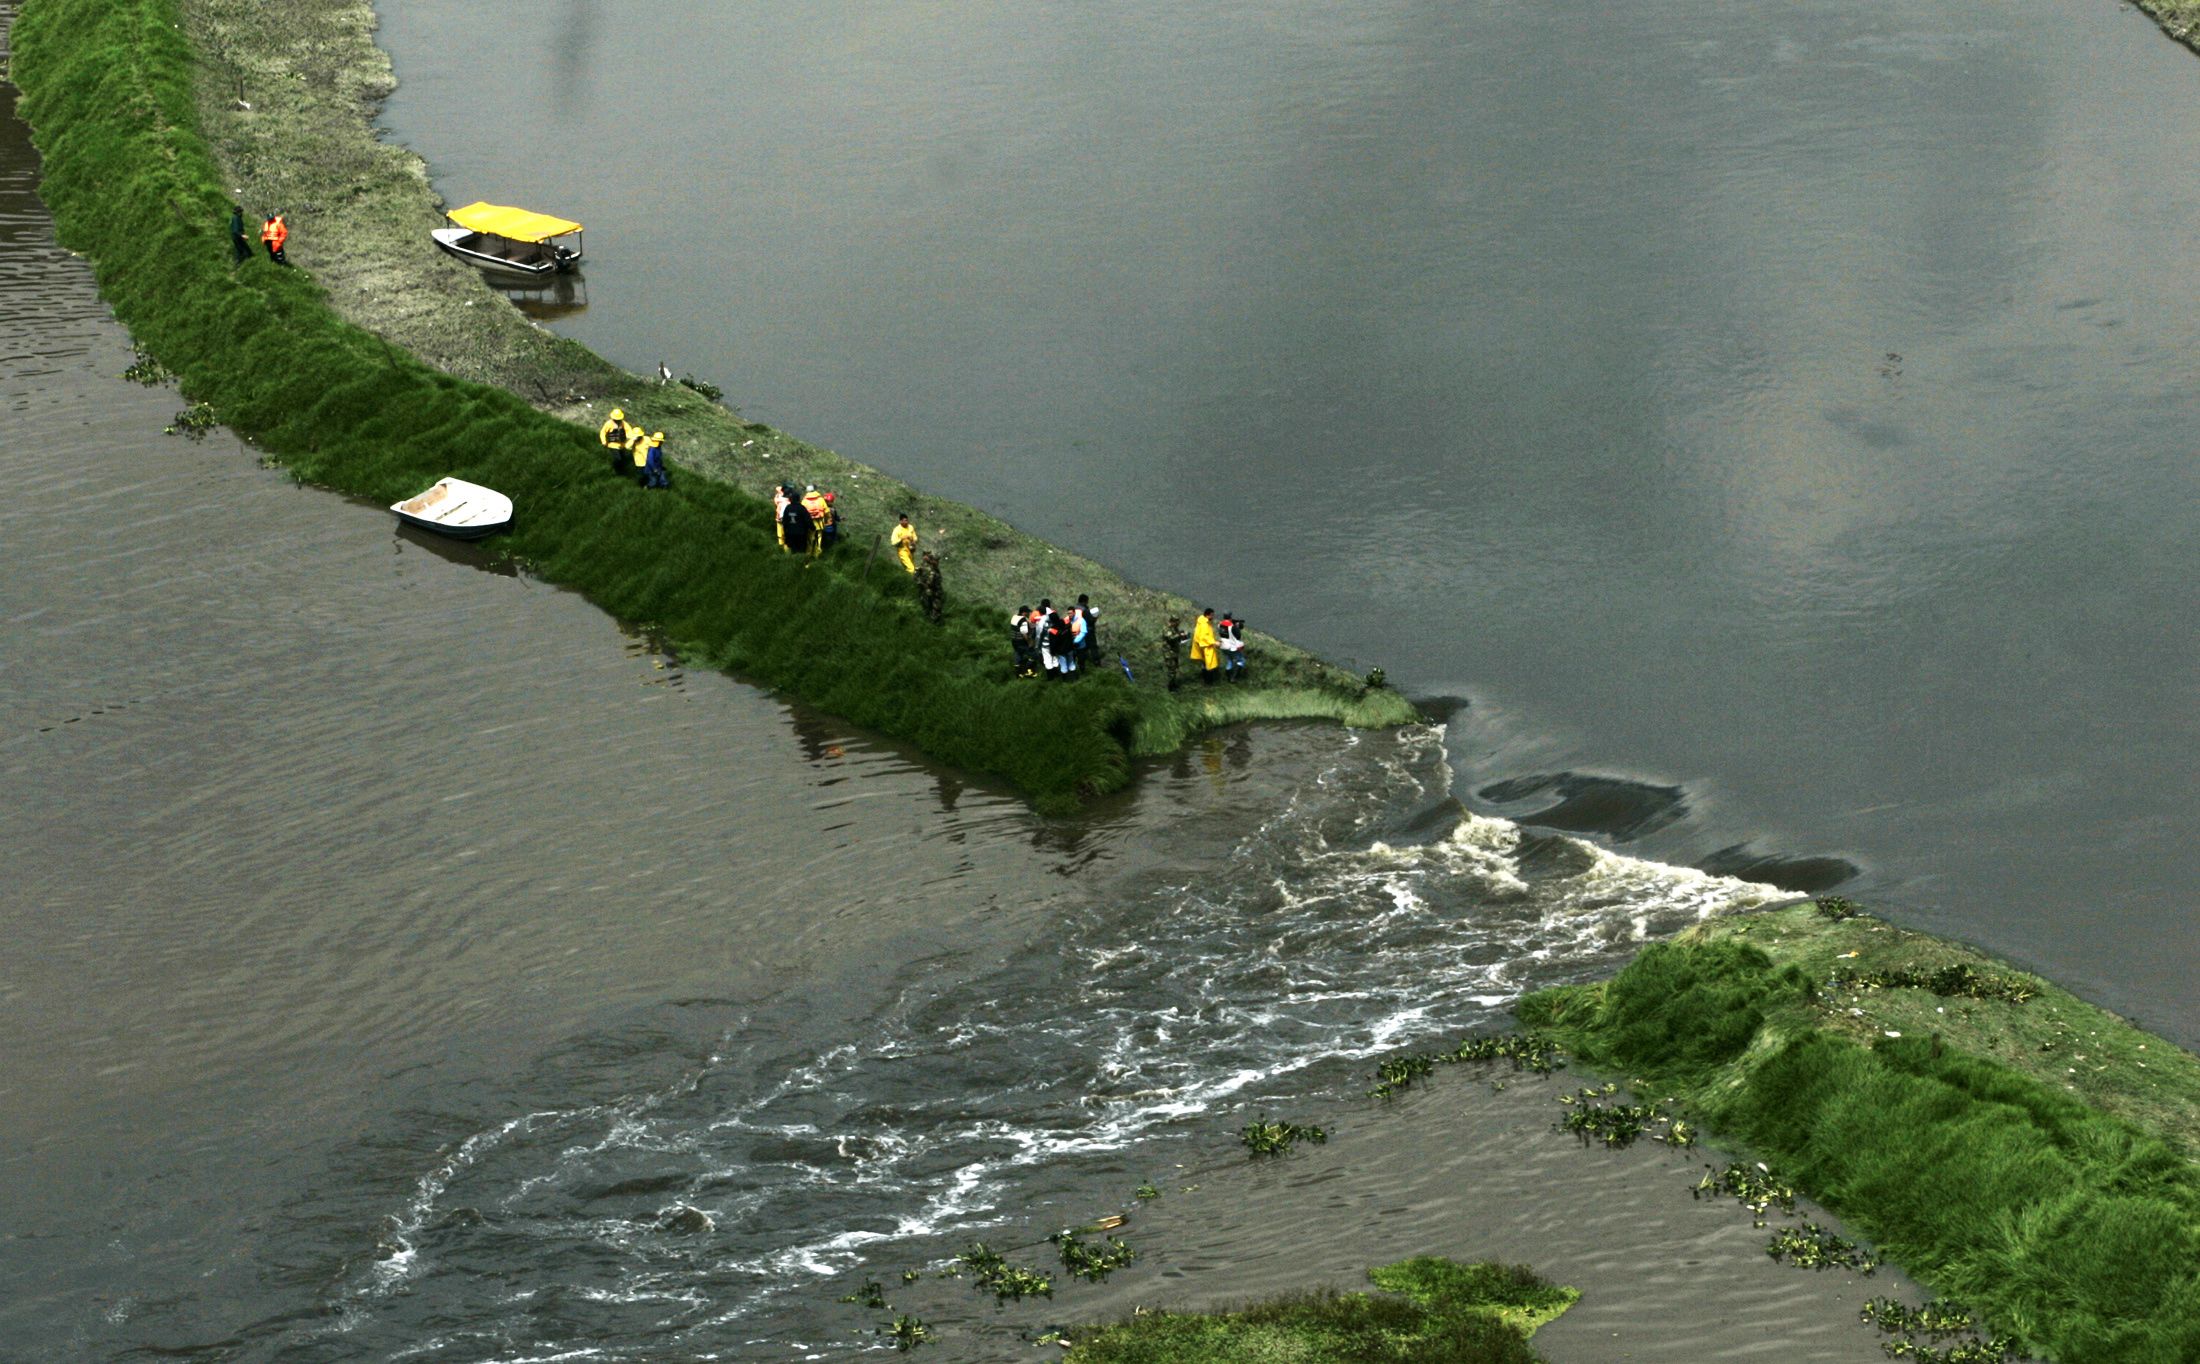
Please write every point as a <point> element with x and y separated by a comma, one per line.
<point>2016,1149</point>
<point>116,93</point>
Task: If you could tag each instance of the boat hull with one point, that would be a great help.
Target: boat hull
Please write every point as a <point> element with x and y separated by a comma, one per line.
<point>456,509</point>
<point>486,254</point>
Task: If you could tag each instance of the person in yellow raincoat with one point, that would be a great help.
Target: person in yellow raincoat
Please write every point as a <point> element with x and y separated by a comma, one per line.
<point>905,544</point>
<point>617,435</point>
<point>819,511</point>
<point>1206,646</point>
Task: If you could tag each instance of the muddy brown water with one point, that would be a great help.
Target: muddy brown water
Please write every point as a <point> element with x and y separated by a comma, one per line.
<point>402,961</point>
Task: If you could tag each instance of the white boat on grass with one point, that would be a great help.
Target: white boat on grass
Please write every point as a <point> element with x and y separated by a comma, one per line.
<point>454,507</point>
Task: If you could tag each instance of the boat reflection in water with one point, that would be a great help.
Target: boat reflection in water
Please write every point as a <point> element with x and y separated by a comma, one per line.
<point>546,300</point>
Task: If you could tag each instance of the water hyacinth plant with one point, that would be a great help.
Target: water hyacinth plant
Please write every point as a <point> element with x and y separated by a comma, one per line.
<point>1089,1261</point>
<point>192,422</point>
<point>906,1332</point>
<point>1007,1282</point>
<point>1529,1051</point>
<point>872,1294</point>
<point>1755,1186</point>
<point>1938,1322</point>
<point>1811,1246</point>
<point>147,371</point>
<point>1265,1138</point>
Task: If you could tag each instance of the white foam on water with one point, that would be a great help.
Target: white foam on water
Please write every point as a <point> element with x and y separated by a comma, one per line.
<point>1159,1020</point>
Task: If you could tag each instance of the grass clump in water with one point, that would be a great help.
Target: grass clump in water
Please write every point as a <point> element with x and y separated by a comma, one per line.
<point>1431,1311</point>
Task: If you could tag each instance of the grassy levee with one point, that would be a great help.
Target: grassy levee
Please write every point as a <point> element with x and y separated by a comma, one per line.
<point>1443,1312</point>
<point>108,87</point>
<point>2009,1145</point>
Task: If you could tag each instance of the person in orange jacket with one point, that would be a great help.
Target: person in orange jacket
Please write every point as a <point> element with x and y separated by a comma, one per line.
<point>272,236</point>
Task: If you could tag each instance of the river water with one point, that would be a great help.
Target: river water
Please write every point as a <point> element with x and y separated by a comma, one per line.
<point>1776,419</point>
<point>403,962</point>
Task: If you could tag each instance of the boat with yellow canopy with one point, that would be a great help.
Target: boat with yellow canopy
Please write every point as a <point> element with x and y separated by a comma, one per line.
<point>510,241</point>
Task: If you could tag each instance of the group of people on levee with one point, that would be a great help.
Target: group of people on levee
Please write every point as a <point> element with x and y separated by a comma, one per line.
<point>1048,641</point>
<point>633,452</point>
<point>1218,646</point>
<point>808,523</point>
<point>1054,643</point>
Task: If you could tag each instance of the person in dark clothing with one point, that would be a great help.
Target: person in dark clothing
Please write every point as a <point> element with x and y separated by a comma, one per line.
<point>1020,638</point>
<point>1061,641</point>
<point>931,595</point>
<point>1173,641</point>
<point>1090,654</point>
<point>238,241</point>
<point>794,528</point>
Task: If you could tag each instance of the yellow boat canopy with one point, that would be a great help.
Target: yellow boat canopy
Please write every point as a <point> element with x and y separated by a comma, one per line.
<point>515,224</point>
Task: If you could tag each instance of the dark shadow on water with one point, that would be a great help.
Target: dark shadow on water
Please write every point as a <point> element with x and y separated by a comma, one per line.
<point>479,554</point>
<point>1803,875</point>
<point>1616,807</point>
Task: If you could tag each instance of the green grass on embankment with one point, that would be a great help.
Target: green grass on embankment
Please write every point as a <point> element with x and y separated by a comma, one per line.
<point>1443,1313</point>
<point>2009,1145</point>
<point>108,90</point>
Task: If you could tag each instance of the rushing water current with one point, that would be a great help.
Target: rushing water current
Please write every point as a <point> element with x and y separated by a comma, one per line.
<point>1777,418</point>
<point>403,962</point>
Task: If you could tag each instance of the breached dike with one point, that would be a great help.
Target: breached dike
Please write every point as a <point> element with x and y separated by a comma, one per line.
<point>377,365</point>
<point>2016,1149</point>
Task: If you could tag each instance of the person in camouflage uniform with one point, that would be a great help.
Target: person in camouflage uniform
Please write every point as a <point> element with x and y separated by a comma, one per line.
<point>930,594</point>
<point>1173,641</point>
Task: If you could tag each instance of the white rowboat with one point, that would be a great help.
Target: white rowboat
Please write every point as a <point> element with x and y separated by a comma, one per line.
<point>454,507</point>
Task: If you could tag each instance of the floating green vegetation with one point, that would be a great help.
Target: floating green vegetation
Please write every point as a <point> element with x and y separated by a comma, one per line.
<point>1811,1246</point>
<point>1399,1072</point>
<point>1091,1261</point>
<point>1146,1190</point>
<point>1956,978</point>
<point>1755,1186</point>
<point>872,1294</point>
<point>1993,1181</point>
<point>147,371</point>
<point>193,422</point>
<point>1525,1051</point>
<point>1265,1138</point>
<point>1835,908</point>
<point>991,1271</point>
<point>1430,1311</point>
<point>1951,1331</point>
<point>1614,1125</point>
<point>906,1332</point>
